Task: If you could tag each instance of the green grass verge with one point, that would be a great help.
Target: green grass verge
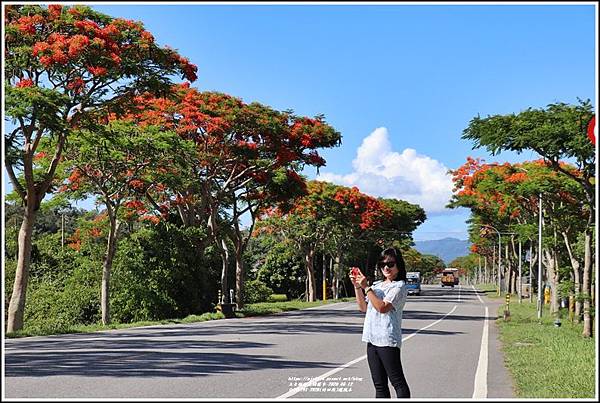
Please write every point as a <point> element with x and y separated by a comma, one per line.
<point>98,328</point>
<point>267,308</point>
<point>259,309</point>
<point>491,290</point>
<point>546,361</point>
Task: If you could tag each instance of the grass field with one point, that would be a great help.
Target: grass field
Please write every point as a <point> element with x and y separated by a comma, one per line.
<point>545,361</point>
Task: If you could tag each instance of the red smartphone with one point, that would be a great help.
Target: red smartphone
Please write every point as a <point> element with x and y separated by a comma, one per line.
<point>355,271</point>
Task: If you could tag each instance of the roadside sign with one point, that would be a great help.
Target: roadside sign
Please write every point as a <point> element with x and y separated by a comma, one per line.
<point>591,130</point>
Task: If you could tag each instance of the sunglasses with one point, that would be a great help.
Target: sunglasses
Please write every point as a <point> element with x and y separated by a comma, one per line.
<point>389,265</point>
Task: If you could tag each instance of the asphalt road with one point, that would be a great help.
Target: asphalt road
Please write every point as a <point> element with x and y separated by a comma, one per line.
<point>315,353</point>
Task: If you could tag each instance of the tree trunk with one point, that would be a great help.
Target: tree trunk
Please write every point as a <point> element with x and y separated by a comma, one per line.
<point>485,270</point>
<point>531,270</point>
<point>239,274</point>
<point>587,320</point>
<point>575,265</point>
<point>224,270</point>
<point>111,249</point>
<point>310,275</point>
<point>551,278</point>
<point>221,245</point>
<point>513,281</point>
<point>31,196</point>
<point>333,277</point>
<point>508,272</point>
<point>338,275</point>
<point>16,307</point>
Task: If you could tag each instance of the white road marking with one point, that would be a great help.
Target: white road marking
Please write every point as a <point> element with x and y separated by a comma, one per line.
<point>480,384</point>
<point>313,381</point>
<point>476,293</point>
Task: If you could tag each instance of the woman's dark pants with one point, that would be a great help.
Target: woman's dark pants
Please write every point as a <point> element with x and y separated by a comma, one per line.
<point>385,363</point>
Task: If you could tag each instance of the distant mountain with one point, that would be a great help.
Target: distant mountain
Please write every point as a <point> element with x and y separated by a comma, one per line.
<point>446,249</point>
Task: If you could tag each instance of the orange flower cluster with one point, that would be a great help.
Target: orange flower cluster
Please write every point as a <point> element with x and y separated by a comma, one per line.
<point>59,38</point>
<point>30,24</point>
<point>24,83</point>
<point>135,205</point>
<point>517,177</point>
<point>366,211</point>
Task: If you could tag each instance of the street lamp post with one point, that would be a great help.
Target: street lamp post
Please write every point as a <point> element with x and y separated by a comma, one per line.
<point>500,256</point>
<point>539,301</point>
<point>520,278</point>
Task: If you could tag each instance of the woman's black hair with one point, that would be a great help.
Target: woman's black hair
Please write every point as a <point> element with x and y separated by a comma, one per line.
<point>397,256</point>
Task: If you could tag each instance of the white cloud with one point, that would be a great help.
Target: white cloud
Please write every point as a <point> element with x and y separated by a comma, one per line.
<point>382,172</point>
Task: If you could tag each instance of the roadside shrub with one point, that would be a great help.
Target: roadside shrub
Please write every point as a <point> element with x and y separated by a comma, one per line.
<point>53,306</point>
<point>283,271</point>
<point>277,298</point>
<point>163,272</point>
<point>10,268</point>
<point>256,291</point>
<point>64,287</point>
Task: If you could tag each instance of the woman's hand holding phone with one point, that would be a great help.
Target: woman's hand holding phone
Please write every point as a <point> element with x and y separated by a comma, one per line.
<point>357,277</point>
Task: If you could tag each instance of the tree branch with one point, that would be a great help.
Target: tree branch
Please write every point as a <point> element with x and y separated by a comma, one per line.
<point>16,184</point>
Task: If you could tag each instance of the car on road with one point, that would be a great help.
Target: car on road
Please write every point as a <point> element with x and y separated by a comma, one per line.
<point>413,282</point>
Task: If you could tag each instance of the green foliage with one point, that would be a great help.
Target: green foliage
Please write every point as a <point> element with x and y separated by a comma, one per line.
<point>469,263</point>
<point>406,217</point>
<point>566,288</point>
<point>556,132</point>
<point>163,272</point>
<point>9,269</point>
<point>21,103</point>
<point>256,291</point>
<point>54,305</point>
<point>283,269</point>
<point>277,298</point>
<point>267,308</point>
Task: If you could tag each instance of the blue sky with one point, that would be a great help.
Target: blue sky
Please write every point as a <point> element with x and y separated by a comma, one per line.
<point>399,81</point>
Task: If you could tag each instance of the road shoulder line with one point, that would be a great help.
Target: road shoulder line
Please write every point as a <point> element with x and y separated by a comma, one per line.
<point>480,383</point>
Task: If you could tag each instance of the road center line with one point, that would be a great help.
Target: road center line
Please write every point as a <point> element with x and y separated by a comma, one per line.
<point>313,381</point>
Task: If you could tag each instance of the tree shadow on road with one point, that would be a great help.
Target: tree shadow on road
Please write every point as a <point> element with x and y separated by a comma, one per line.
<point>116,363</point>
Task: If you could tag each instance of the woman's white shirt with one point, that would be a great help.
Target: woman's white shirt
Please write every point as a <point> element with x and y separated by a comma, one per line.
<point>385,329</point>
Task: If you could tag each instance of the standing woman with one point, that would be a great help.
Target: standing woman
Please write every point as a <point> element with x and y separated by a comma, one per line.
<point>383,302</point>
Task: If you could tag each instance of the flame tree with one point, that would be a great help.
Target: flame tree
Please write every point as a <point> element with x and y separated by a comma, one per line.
<point>506,197</point>
<point>62,63</point>
<point>556,132</point>
<point>113,162</point>
<point>328,214</point>
<point>246,158</point>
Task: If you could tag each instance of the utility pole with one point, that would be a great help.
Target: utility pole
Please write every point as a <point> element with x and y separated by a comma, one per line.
<point>493,260</point>
<point>499,273</point>
<point>540,301</point>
